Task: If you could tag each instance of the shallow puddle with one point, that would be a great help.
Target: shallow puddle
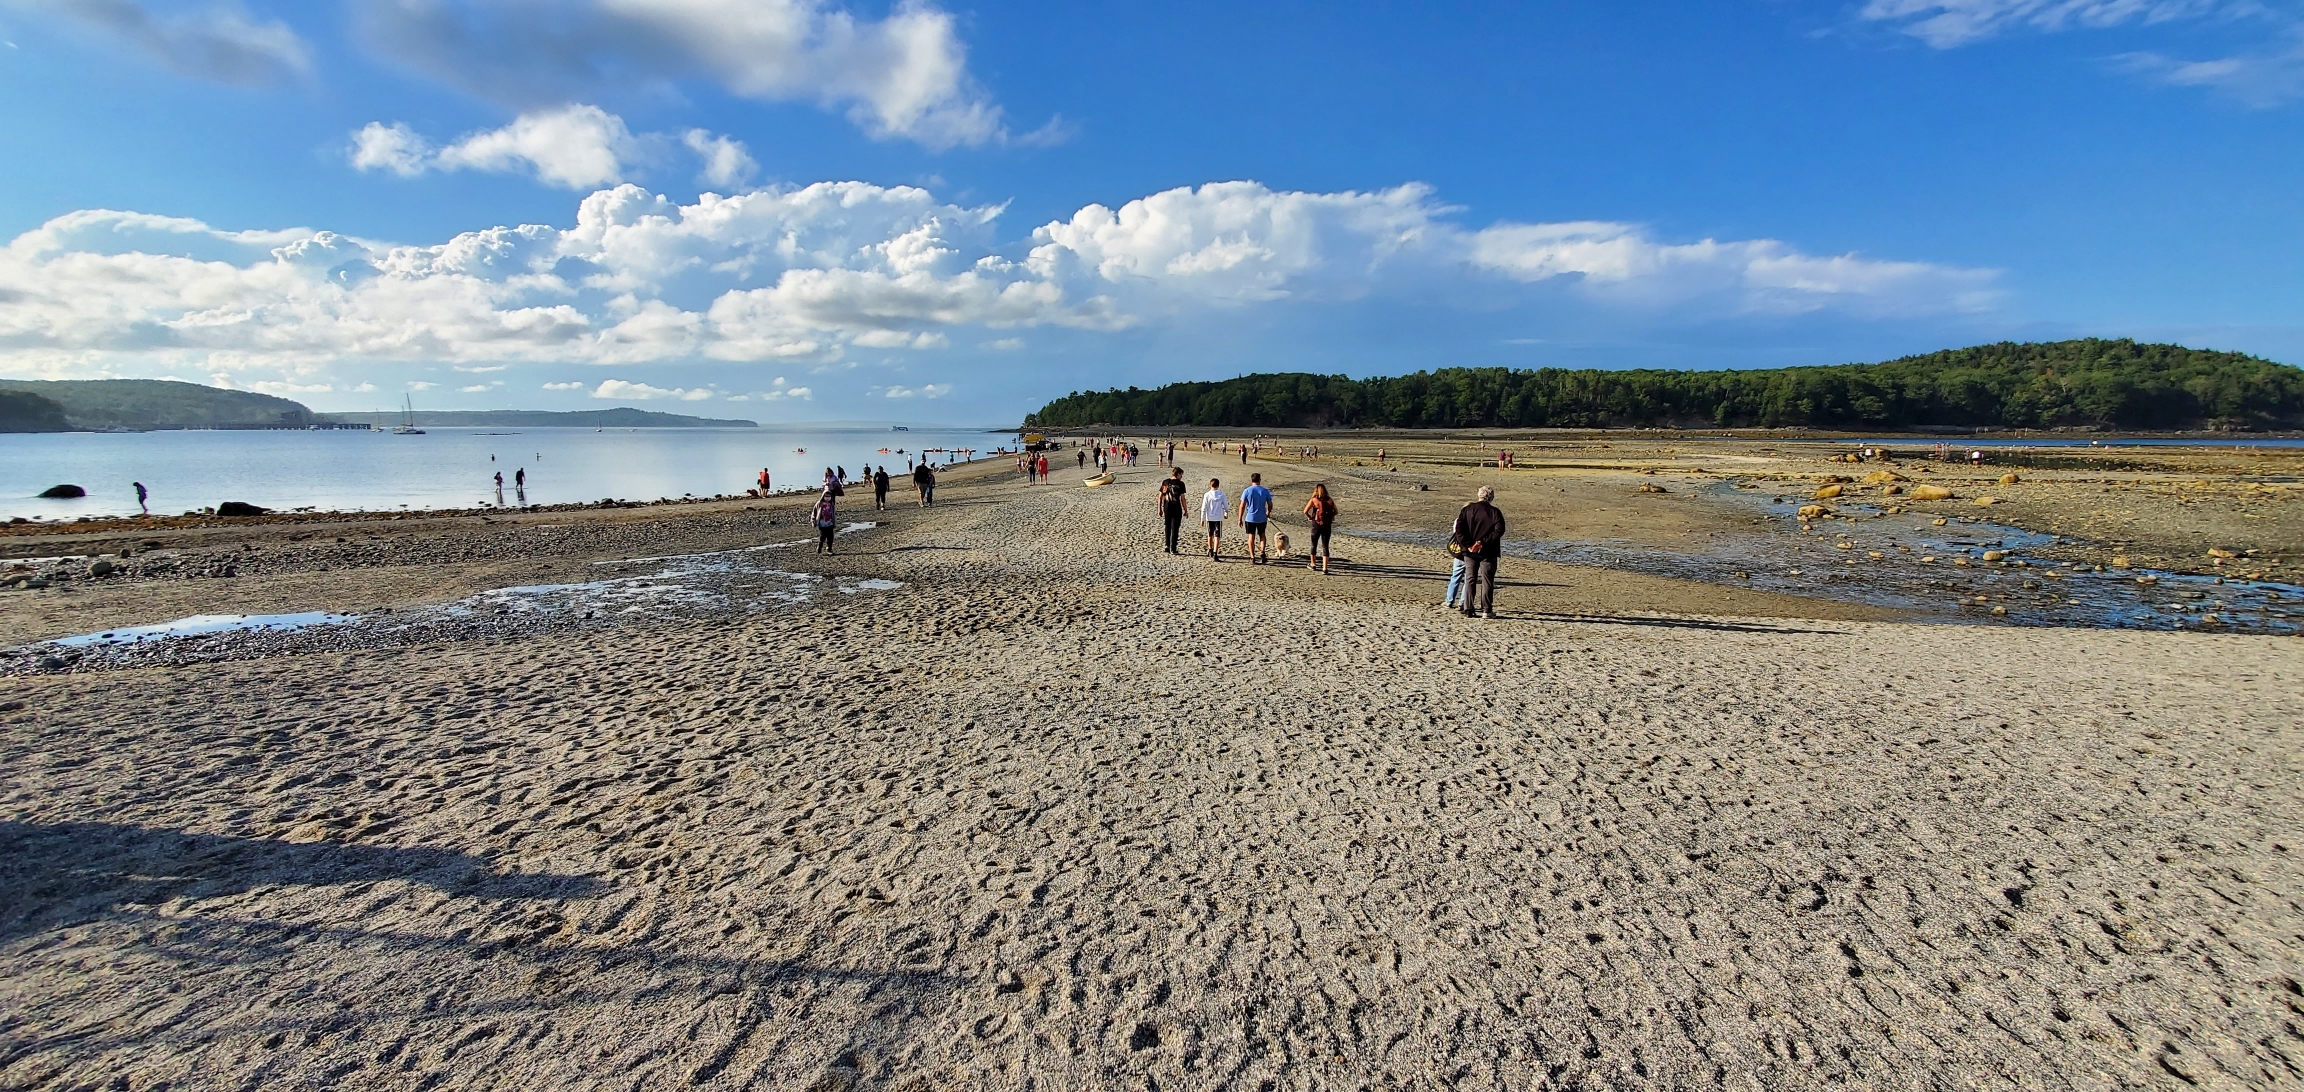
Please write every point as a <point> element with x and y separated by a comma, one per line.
<point>201,625</point>
<point>718,583</point>
<point>1906,563</point>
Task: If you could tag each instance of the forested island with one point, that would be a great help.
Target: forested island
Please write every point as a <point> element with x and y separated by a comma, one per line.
<point>149,405</point>
<point>24,411</point>
<point>2091,383</point>
<point>137,405</point>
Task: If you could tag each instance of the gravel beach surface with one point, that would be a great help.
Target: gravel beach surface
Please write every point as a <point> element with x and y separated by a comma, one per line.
<point>1000,796</point>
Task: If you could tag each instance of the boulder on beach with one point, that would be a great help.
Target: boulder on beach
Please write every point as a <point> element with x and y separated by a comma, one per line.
<point>2010,478</point>
<point>1982,502</point>
<point>1883,477</point>
<point>63,492</point>
<point>1828,492</point>
<point>1652,487</point>
<point>1814,511</point>
<point>1931,492</point>
<point>239,508</point>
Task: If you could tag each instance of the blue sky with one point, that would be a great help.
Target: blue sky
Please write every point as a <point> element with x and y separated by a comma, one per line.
<point>789,211</point>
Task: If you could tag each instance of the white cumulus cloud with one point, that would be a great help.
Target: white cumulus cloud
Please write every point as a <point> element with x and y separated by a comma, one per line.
<point>642,392</point>
<point>563,386</point>
<point>576,147</point>
<point>902,75</point>
<point>726,162</point>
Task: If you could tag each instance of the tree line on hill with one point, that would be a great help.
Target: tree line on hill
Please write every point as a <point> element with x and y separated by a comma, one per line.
<point>2091,383</point>
<point>138,405</point>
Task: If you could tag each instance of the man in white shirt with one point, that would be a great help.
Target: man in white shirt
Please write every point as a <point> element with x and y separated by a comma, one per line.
<point>1213,506</point>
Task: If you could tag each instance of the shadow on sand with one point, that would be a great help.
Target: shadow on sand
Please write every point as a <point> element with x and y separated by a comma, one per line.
<point>264,978</point>
<point>53,872</point>
<point>1348,567</point>
<point>1662,622</point>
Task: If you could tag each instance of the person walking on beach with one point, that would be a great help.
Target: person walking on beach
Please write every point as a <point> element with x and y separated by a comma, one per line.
<point>924,483</point>
<point>520,479</point>
<point>1320,511</point>
<point>1243,454</point>
<point>143,495</point>
<point>827,520</point>
<point>1080,458</point>
<point>1043,468</point>
<point>1172,506</point>
<point>763,481</point>
<point>1213,507</point>
<point>1480,532</point>
<point>1255,517</point>
<point>880,489</point>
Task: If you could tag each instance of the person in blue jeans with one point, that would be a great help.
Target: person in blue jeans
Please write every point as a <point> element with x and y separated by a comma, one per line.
<point>1255,515</point>
<point>1455,582</point>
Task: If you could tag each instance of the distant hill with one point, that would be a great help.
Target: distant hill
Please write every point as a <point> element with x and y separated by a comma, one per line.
<point>144,404</point>
<point>620,417</point>
<point>2090,383</point>
<point>24,411</point>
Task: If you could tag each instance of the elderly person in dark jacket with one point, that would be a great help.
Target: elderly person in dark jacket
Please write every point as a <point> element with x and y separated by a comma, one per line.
<point>1480,533</point>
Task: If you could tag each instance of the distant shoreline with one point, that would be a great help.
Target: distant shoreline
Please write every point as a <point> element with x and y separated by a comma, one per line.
<point>1780,435</point>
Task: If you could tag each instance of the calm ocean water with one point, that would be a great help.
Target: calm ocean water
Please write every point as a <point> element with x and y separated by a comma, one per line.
<point>444,468</point>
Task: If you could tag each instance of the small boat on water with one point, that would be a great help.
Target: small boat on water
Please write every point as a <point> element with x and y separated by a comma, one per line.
<point>407,425</point>
<point>899,428</point>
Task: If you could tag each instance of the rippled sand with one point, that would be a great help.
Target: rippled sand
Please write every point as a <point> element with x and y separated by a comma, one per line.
<point>1063,812</point>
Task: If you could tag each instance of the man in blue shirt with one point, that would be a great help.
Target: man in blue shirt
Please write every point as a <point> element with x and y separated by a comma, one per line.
<point>1255,511</point>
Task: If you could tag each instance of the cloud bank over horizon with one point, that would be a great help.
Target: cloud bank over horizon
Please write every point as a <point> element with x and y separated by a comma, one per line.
<point>813,275</point>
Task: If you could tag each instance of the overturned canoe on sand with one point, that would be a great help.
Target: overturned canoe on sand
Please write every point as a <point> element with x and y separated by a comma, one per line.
<point>1101,479</point>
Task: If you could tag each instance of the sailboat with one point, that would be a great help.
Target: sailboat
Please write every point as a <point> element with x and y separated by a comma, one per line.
<point>407,425</point>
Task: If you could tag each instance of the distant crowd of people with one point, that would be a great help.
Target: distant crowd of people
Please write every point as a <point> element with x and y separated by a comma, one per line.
<point>1475,540</point>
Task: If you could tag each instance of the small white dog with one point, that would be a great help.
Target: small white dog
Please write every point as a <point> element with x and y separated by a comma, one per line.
<point>1281,541</point>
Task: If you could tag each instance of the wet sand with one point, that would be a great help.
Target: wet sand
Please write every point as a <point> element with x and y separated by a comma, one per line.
<point>1063,811</point>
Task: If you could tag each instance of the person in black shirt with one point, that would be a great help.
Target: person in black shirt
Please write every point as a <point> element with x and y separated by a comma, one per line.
<point>1172,505</point>
<point>880,489</point>
<point>924,480</point>
<point>1479,531</point>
